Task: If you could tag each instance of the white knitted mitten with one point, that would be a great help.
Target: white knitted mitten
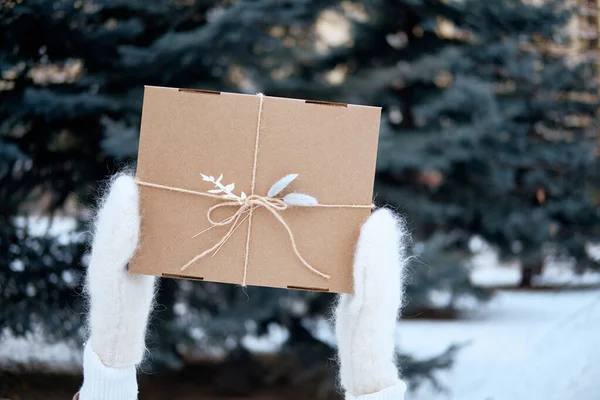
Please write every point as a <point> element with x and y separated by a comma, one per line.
<point>120,302</point>
<point>365,321</point>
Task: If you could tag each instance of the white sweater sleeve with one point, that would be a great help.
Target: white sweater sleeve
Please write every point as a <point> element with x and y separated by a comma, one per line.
<point>395,392</point>
<point>104,383</point>
<point>119,302</point>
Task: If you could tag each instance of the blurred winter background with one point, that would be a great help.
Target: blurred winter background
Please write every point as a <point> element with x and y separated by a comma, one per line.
<point>489,146</point>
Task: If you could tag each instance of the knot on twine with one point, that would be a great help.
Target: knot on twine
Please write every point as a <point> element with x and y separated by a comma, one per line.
<point>252,201</point>
<point>246,205</point>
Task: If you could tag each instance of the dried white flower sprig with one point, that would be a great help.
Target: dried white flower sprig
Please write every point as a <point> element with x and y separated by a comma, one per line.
<point>292,199</point>
<point>227,190</point>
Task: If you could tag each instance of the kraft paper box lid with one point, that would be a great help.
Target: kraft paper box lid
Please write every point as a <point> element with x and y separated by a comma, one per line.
<point>186,133</point>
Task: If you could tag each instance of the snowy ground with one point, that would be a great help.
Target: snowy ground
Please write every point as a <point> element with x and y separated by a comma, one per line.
<point>523,345</point>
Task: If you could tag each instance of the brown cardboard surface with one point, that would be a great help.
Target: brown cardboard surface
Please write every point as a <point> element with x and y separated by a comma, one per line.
<point>185,133</point>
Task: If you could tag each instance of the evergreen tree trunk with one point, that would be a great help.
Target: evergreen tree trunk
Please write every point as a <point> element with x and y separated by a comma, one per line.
<point>526,276</point>
<point>528,271</point>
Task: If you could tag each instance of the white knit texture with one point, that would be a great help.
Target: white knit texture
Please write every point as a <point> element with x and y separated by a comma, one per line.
<point>366,321</point>
<point>395,392</point>
<point>120,302</point>
<point>104,383</point>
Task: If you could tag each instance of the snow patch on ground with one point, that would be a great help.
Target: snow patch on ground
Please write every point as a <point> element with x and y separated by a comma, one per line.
<point>521,346</point>
<point>60,227</point>
<point>269,343</point>
<point>487,270</point>
<point>34,353</point>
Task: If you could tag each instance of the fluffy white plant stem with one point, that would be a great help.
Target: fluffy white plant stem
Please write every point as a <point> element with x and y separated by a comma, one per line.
<point>366,321</point>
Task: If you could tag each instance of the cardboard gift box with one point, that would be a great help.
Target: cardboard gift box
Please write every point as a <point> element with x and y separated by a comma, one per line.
<point>207,165</point>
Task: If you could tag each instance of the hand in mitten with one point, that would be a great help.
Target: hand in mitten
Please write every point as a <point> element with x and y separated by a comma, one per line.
<point>365,321</point>
<point>119,302</point>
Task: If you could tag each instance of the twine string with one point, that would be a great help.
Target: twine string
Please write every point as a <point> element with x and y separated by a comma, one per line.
<point>246,206</point>
<point>261,100</point>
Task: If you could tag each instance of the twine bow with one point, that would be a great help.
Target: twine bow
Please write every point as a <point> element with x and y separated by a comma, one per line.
<point>245,206</point>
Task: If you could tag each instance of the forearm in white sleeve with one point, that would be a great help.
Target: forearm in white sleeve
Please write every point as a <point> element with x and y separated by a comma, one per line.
<point>119,302</point>
<point>366,320</point>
